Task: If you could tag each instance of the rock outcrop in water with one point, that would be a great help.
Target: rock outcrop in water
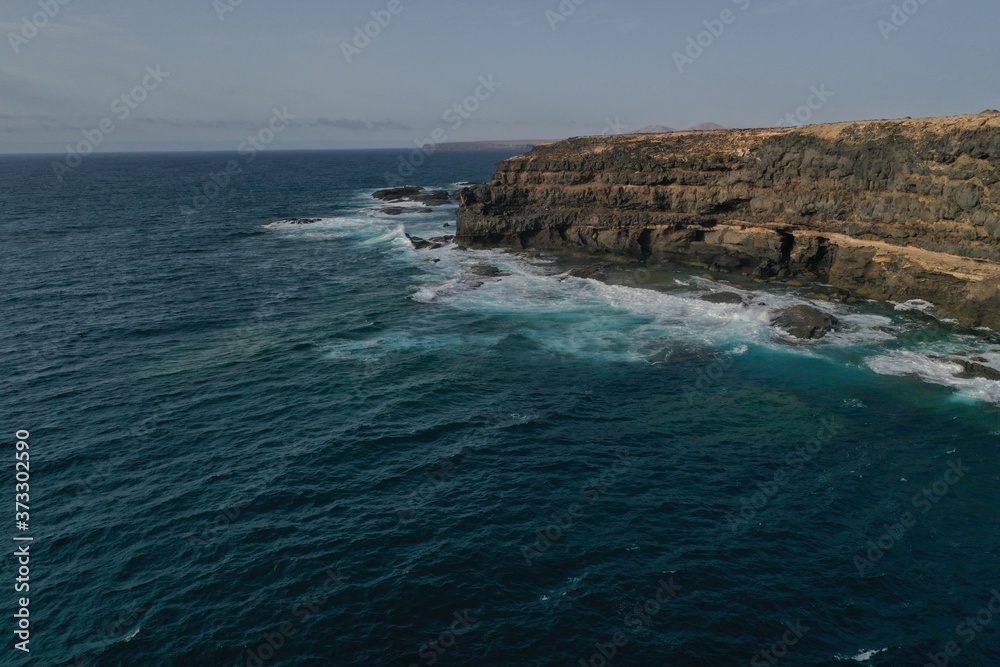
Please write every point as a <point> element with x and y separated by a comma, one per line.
<point>900,210</point>
<point>805,322</point>
<point>413,193</point>
<point>731,298</point>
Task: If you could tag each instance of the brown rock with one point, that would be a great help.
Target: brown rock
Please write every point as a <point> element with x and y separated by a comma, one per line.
<point>723,297</point>
<point>487,271</point>
<point>804,322</point>
<point>593,271</point>
<point>972,370</point>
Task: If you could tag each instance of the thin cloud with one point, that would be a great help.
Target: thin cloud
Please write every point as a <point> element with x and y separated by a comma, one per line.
<point>360,125</point>
<point>206,124</point>
<point>24,116</point>
<point>26,122</point>
<point>340,123</point>
<point>779,6</point>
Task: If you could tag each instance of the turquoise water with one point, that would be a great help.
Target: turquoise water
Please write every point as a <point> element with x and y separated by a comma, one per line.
<point>255,443</point>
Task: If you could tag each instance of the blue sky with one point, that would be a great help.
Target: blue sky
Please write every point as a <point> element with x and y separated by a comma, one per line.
<point>557,70</point>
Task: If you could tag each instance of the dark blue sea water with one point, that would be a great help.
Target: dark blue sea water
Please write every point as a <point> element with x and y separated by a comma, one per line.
<point>254,443</point>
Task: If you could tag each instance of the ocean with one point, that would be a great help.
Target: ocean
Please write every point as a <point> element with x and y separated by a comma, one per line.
<point>260,443</point>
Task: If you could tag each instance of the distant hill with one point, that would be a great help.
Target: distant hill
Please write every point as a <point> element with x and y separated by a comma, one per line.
<point>513,145</point>
<point>705,127</point>
<point>654,129</point>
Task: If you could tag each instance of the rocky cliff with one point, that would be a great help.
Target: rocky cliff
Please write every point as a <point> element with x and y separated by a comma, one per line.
<point>904,209</point>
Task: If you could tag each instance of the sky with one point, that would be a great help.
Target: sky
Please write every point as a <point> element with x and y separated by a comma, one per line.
<point>139,75</point>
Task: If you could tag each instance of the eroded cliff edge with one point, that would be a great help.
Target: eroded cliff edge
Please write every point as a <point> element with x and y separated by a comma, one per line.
<point>900,210</point>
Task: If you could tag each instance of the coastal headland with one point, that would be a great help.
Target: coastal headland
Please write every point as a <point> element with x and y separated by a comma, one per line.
<point>890,209</point>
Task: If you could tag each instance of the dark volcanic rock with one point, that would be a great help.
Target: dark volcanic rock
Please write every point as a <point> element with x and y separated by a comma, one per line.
<point>414,193</point>
<point>487,271</point>
<point>433,198</point>
<point>972,370</point>
<point>399,210</point>
<point>804,322</point>
<point>723,297</point>
<point>402,193</point>
<point>593,271</point>
<point>423,244</point>
<point>300,221</point>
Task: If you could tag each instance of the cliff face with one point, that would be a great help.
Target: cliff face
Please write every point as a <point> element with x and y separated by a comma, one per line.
<point>900,210</point>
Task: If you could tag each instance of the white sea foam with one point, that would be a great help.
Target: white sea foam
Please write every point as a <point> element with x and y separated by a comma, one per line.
<point>375,349</point>
<point>863,656</point>
<point>425,295</point>
<point>398,233</point>
<point>339,226</point>
<point>416,205</point>
<point>566,315</point>
<point>581,316</point>
<point>916,304</point>
<point>921,364</point>
<point>585,317</point>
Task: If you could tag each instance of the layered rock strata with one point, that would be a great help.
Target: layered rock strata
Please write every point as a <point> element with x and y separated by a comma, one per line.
<point>900,210</point>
